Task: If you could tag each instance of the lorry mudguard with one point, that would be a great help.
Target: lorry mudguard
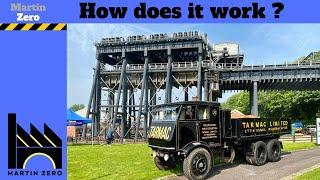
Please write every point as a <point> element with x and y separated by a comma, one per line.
<point>193,145</point>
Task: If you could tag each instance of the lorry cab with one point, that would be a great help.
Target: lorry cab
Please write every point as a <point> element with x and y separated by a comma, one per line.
<point>178,128</point>
<point>176,125</point>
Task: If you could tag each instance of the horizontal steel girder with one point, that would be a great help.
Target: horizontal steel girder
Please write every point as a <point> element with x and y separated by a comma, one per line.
<point>240,78</point>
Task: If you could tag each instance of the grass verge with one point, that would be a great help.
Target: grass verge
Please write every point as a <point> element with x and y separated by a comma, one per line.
<point>311,175</point>
<point>290,146</point>
<point>127,161</point>
<point>116,161</point>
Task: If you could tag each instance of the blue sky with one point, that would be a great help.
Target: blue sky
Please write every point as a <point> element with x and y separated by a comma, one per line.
<point>260,43</point>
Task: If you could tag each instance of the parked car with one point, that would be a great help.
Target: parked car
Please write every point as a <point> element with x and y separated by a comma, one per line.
<point>310,129</point>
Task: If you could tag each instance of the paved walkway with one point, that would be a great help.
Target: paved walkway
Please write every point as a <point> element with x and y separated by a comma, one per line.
<point>289,164</point>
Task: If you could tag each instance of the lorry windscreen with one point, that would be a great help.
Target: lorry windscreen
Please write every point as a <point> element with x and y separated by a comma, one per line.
<point>166,114</point>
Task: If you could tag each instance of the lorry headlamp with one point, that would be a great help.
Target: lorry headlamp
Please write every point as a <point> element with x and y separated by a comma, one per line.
<point>154,154</point>
<point>166,157</point>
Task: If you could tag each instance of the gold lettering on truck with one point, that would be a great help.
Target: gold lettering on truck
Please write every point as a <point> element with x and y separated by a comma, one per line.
<point>159,132</point>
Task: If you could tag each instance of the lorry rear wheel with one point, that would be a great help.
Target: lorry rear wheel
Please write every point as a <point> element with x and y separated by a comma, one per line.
<point>162,164</point>
<point>274,150</point>
<point>198,164</point>
<point>259,153</point>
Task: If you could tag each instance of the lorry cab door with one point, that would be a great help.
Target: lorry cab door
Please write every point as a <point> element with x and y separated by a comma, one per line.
<point>187,127</point>
<point>227,124</point>
<point>209,125</point>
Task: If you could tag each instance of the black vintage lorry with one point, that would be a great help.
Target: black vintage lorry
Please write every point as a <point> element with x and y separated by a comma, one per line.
<point>195,132</point>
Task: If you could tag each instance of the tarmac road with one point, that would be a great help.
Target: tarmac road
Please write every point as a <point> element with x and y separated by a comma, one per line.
<point>289,164</point>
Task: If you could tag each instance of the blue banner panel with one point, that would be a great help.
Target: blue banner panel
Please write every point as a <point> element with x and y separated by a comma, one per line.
<point>33,90</point>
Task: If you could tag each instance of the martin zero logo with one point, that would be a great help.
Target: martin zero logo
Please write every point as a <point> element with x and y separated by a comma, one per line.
<point>22,146</point>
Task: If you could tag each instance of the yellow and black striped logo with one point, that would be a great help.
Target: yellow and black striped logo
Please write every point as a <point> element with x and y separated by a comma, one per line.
<point>33,27</point>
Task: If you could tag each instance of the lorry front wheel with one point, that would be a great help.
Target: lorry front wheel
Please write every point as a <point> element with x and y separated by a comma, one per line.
<point>274,150</point>
<point>162,164</point>
<point>198,164</point>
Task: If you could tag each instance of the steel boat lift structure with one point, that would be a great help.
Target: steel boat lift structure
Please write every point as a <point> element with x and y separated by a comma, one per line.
<point>133,73</point>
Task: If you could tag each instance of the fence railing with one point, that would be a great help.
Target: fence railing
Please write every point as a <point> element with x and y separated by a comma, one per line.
<point>210,64</point>
<point>298,138</point>
<point>97,140</point>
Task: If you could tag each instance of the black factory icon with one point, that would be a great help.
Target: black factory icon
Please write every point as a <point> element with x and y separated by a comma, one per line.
<point>22,146</point>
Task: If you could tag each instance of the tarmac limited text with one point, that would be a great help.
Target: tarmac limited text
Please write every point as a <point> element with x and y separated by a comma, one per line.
<point>263,124</point>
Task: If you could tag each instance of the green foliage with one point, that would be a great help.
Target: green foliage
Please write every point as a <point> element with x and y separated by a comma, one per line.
<point>239,101</point>
<point>296,105</point>
<point>77,107</point>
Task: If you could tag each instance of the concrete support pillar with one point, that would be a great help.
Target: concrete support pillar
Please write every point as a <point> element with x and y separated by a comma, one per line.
<point>199,87</point>
<point>143,85</point>
<point>254,98</point>
<point>206,86</point>
<point>168,90</point>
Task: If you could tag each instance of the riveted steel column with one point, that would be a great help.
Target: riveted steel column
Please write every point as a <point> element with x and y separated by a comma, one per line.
<point>98,103</point>
<point>199,87</point>
<point>93,114</point>
<point>92,92</point>
<point>130,108</point>
<point>143,85</point>
<point>110,103</point>
<point>254,98</point>
<point>122,76</point>
<point>134,107</point>
<point>186,94</point>
<point>124,107</point>
<point>168,93</point>
<point>206,86</point>
<point>153,99</point>
<point>146,108</point>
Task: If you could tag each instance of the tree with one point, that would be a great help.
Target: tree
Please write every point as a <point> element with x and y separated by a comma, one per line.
<point>295,105</point>
<point>77,107</point>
